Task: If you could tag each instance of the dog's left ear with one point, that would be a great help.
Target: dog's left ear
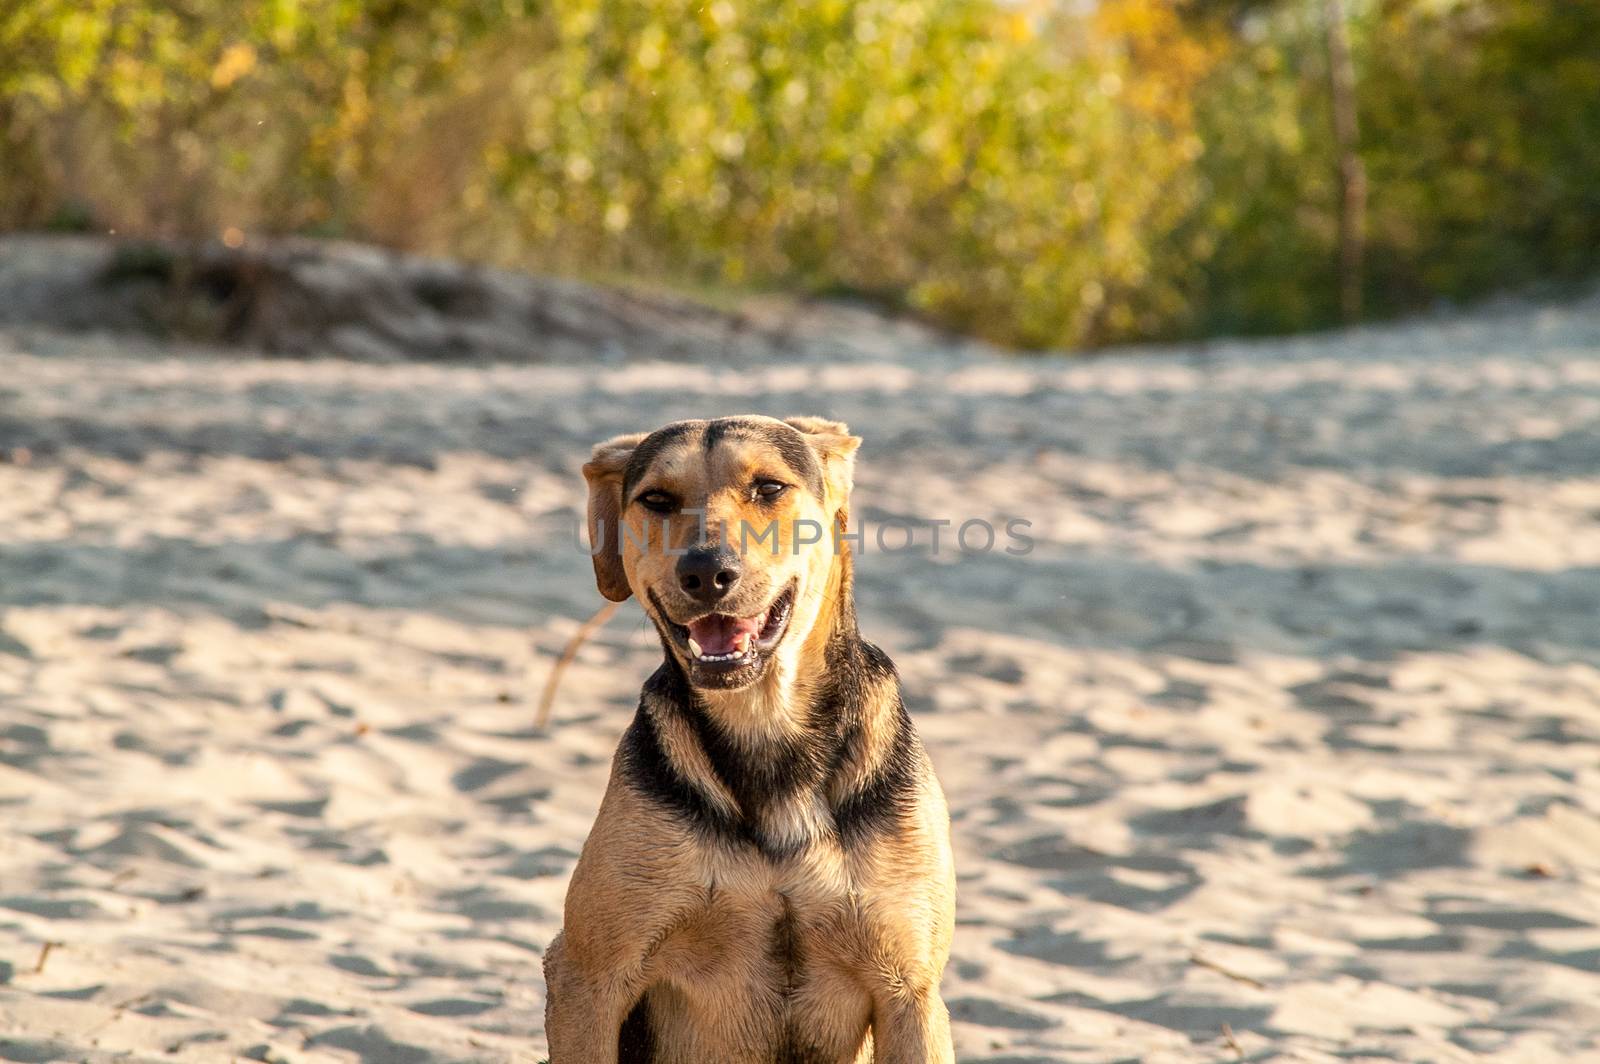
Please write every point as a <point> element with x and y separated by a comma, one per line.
<point>604,471</point>
<point>836,449</point>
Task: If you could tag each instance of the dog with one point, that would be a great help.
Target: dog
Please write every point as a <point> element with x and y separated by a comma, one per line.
<point>769,879</point>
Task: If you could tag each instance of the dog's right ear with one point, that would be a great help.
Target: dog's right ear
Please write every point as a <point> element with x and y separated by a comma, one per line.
<point>603,471</point>
<point>833,444</point>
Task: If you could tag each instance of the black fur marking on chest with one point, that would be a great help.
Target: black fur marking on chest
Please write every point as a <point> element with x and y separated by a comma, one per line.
<point>636,1041</point>
<point>795,1052</point>
<point>788,963</point>
<point>651,771</point>
<point>785,951</point>
<point>759,778</point>
<point>879,802</point>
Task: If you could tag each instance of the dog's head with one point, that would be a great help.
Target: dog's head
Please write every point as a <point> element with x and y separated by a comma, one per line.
<point>725,531</point>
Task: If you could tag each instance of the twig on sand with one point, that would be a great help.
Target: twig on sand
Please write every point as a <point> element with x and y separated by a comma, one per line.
<point>585,630</point>
<point>1231,1041</point>
<point>1238,977</point>
<point>44,955</point>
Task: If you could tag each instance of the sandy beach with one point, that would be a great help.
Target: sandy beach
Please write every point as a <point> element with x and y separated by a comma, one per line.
<point>1281,744</point>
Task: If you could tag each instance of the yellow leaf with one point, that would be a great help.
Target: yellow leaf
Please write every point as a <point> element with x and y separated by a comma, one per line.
<point>237,61</point>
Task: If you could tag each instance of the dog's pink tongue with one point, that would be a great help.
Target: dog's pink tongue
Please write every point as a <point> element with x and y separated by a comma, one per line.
<point>720,634</point>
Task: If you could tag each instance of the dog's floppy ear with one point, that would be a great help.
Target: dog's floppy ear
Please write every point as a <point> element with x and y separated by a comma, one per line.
<point>603,471</point>
<point>836,449</point>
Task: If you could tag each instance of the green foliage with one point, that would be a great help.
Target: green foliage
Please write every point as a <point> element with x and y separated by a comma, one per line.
<point>1027,172</point>
<point>947,155</point>
<point>1485,145</point>
<point>183,117</point>
<point>1480,130</point>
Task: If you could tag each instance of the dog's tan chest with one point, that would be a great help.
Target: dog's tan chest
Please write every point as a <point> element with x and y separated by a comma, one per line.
<point>765,970</point>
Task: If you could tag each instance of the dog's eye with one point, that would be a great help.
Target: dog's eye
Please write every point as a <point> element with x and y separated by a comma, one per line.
<point>659,501</point>
<point>770,489</point>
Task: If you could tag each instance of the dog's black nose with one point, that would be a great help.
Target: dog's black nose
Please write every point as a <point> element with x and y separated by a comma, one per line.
<point>707,574</point>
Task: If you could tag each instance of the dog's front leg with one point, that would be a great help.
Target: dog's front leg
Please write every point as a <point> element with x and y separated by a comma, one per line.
<point>912,1026</point>
<point>633,883</point>
<point>583,1014</point>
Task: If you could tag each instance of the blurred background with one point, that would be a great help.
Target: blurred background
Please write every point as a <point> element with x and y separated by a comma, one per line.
<point>1053,174</point>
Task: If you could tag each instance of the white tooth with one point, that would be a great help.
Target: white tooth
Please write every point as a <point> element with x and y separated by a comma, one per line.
<point>741,643</point>
<point>694,648</point>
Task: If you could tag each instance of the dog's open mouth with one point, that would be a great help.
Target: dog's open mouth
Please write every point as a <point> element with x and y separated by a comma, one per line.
<point>724,641</point>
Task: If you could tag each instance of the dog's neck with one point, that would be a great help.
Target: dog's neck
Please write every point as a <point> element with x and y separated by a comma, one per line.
<point>819,748</point>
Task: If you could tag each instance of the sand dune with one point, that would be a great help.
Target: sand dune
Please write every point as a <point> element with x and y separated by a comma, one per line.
<point>1282,744</point>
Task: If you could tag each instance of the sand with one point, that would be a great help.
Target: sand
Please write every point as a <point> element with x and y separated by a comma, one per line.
<point>1282,744</point>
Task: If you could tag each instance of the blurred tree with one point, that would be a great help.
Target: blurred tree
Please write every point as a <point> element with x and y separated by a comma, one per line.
<point>1352,171</point>
<point>1003,169</point>
<point>1038,173</point>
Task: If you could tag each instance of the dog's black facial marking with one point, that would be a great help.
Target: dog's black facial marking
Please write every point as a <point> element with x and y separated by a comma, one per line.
<point>788,442</point>
<point>650,448</point>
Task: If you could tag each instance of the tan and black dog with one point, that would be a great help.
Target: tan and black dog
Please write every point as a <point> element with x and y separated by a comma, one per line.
<point>769,879</point>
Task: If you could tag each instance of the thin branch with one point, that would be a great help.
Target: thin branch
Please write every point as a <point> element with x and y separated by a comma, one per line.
<point>548,697</point>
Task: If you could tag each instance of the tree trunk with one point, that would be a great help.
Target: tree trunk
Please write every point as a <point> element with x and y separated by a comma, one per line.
<point>1352,172</point>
